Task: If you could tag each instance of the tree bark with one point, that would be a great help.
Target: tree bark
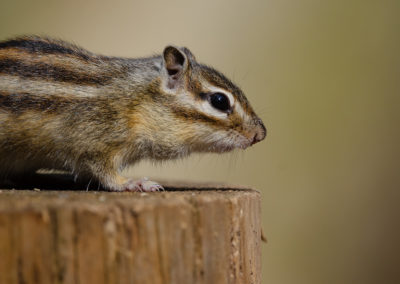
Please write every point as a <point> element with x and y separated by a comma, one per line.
<point>183,235</point>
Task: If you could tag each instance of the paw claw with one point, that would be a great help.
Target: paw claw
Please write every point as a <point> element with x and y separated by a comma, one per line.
<point>143,185</point>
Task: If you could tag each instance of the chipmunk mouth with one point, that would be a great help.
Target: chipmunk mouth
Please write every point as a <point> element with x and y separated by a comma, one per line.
<point>233,140</point>
<point>242,141</point>
<point>245,144</point>
<point>223,141</point>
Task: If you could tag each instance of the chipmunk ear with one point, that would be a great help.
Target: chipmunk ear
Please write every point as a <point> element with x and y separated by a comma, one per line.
<point>176,64</point>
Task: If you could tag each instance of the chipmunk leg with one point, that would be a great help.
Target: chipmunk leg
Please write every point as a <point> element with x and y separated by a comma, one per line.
<point>108,175</point>
<point>113,181</point>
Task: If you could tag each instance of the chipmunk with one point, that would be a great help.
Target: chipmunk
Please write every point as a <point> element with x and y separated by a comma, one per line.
<point>63,107</point>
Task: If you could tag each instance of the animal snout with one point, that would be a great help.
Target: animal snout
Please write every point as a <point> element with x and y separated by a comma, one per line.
<point>260,132</point>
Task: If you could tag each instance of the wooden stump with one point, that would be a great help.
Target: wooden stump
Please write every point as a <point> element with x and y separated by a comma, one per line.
<point>186,235</point>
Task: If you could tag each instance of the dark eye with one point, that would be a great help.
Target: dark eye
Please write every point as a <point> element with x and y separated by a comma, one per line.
<point>220,101</point>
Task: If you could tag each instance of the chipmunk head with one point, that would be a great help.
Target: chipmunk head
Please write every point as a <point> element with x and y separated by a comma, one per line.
<point>213,114</point>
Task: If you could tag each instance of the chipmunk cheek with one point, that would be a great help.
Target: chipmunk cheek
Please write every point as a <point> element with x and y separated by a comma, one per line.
<point>236,122</point>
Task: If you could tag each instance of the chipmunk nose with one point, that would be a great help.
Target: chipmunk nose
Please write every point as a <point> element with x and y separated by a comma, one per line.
<point>261,132</point>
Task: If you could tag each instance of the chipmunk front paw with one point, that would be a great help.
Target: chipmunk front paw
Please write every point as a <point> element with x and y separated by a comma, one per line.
<point>142,185</point>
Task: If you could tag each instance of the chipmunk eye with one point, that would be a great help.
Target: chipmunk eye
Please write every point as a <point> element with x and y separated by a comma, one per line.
<point>220,101</point>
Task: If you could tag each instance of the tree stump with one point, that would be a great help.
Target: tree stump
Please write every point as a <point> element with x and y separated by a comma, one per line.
<point>186,234</point>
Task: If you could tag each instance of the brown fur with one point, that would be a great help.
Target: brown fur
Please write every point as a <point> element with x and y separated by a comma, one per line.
<point>65,108</point>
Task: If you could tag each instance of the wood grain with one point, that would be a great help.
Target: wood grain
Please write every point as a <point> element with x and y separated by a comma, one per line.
<point>211,235</point>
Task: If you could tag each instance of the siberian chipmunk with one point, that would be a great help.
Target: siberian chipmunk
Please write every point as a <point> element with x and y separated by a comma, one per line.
<point>62,107</point>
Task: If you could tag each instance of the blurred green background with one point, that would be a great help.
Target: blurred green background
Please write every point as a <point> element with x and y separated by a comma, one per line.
<point>323,76</point>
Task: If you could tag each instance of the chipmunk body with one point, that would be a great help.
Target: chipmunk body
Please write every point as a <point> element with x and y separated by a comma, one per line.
<point>63,107</point>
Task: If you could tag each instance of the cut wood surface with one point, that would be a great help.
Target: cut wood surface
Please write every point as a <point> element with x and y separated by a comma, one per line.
<point>183,235</point>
